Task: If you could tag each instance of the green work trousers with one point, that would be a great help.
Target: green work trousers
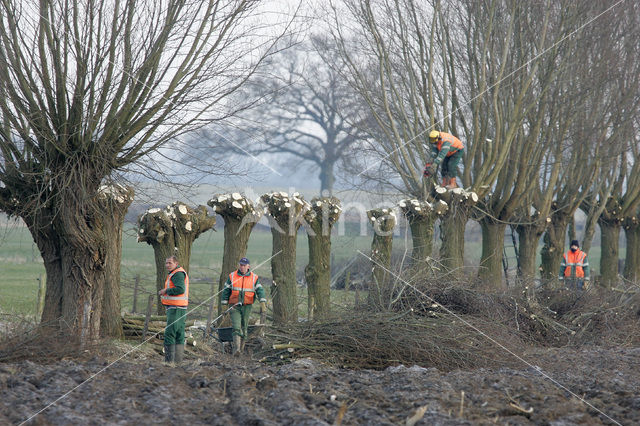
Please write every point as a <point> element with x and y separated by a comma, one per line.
<point>450,164</point>
<point>240,320</point>
<point>174,331</point>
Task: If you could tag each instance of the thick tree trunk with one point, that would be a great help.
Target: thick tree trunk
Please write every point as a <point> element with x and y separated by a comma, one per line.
<point>610,234</point>
<point>323,214</point>
<point>452,227</point>
<point>632,258</point>
<point>528,238</point>
<point>283,272</point>
<point>171,232</point>
<point>422,239</point>
<point>83,247</point>
<point>421,216</point>
<point>116,200</point>
<point>286,217</point>
<point>327,178</point>
<point>491,270</point>
<point>43,234</point>
<point>553,247</point>
<point>380,289</point>
<point>240,216</point>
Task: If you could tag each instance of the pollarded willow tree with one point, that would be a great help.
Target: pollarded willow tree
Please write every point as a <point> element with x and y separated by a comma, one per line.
<point>286,214</point>
<point>421,216</point>
<point>171,232</point>
<point>90,87</point>
<point>383,221</point>
<point>322,215</point>
<point>463,67</point>
<point>240,216</point>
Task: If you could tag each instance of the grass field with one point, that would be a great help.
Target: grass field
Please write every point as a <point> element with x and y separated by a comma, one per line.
<point>22,265</point>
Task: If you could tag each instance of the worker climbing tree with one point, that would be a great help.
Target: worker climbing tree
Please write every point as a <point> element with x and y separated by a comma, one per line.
<point>448,150</point>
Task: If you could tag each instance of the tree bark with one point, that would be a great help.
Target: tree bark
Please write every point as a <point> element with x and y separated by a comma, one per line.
<point>327,178</point>
<point>240,216</point>
<point>116,200</point>
<point>171,232</point>
<point>380,289</point>
<point>528,238</point>
<point>553,247</point>
<point>82,238</point>
<point>287,216</point>
<point>609,244</point>
<point>632,258</point>
<point>42,231</point>
<point>421,216</point>
<point>323,215</point>
<point>491,270</point>
<point>452,227</point>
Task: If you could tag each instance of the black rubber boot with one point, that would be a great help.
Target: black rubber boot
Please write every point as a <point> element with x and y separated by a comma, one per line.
<point>179,353</point>
<point>169,353</point>
<point>236,344</point>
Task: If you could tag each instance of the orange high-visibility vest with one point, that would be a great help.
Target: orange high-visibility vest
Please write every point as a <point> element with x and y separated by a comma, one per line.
<point>179,299</point>
<point>455,143</point>
<point>576,259</point>
<point>245,284</point>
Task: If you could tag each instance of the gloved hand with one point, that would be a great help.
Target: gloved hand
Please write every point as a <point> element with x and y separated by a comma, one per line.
<point>586,284</point>
<point>263,307</point>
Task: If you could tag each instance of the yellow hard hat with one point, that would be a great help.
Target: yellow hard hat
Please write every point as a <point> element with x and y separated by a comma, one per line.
<point>434,135</point>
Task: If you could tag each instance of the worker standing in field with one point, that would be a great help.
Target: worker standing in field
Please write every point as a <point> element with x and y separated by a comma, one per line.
<point>175,297</point>
<point>240,291</point>
<point>448,150</point>
<point>574,268</point>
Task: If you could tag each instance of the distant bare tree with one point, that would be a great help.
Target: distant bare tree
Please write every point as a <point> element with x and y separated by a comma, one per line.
<point>307,111</point>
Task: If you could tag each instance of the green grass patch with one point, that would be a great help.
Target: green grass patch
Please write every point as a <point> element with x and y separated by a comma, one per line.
<point>22,266</point>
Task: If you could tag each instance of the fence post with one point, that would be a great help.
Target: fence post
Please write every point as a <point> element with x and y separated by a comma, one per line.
<point>41,292</point>
<point>147,316</point>
<point>135,294</point>
<point>211,304</point>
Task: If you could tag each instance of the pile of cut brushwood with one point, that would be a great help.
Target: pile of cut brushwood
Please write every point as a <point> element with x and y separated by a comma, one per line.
<point>458,327</point>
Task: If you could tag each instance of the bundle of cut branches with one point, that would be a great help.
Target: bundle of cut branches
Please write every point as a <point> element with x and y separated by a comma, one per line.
<point>364,339</point>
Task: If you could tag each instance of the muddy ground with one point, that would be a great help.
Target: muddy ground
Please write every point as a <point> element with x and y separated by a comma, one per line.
<point>562,386</point>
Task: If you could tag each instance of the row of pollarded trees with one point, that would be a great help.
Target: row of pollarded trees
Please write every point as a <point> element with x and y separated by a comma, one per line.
<point>171,231</point>
<point>545,97</point>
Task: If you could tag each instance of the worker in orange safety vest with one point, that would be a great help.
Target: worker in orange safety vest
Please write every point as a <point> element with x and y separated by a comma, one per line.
<point>574,268</point>
<point>175,297</point>
<point>240,291</point>
<point>448,150</point>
